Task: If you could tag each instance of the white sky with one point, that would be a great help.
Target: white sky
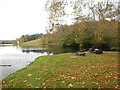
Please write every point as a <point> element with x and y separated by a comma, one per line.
<point>18,17</point>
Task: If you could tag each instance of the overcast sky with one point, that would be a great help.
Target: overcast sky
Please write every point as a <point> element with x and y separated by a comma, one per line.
<point>18,17</point>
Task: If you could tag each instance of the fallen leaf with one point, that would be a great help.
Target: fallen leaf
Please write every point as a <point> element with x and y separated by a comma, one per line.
<point>22,75</point>
<point>29,75</point>
<point>70,85</point>
<point>58,79</point>
<point>95,83</point>
<point>73,78</point>
<point>44,87</point>
<point>116,86</point>
<point>83,86</point>
<point>3,82</point>
<point>36,87</point>
<point>25,81</point>
<point>63,82</point>
<point>83,82</point>
<point>43,84</point>
<point>14,85</point>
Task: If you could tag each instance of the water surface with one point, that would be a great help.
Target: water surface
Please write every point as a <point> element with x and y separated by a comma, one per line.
<point>19,57</point>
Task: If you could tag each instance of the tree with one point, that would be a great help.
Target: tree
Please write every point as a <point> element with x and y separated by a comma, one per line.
<point>56,12</point>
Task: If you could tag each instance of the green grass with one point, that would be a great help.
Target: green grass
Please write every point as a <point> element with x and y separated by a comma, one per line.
<point>33,43</point>
<point>37,43</point>
<point>68,71</point>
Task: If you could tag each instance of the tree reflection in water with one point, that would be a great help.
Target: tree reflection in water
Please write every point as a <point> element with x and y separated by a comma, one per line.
<point>49,49</point>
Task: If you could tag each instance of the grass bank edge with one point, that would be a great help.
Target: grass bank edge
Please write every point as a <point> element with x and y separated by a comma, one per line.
<point>66,57</point>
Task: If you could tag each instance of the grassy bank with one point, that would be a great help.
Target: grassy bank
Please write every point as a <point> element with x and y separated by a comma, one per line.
<point>37,43</point>
<point>33,43</point>
<point>68,71</point>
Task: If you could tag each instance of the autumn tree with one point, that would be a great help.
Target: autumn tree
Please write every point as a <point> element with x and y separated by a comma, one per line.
<point>56,13</point>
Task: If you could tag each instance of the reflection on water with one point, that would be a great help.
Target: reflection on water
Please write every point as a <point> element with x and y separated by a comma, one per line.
<point>5,45</point>
<point>19,57</point>
<point>49,49</point>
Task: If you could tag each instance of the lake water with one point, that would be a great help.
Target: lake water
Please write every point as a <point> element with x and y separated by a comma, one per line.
<point>19,57</point>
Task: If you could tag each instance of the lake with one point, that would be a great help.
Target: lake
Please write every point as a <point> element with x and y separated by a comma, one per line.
<point>19,57</point>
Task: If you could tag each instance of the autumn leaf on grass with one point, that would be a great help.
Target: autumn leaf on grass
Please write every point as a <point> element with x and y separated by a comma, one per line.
<point>54,87</point>
<point>55,80</point>
<point>115,77</point>
<point>36,87</point>
<point>68,73</point>
<point>116,86</point>
<point>63,82</point>
<point>96,74</point>
<point>47,80</point>
<point>58,79</point>
<point>38,78</point>
<point>93,66</point>
<point>25,81</point>
<point>22,75</point>
<point>53,73</point>
<point>44,87</point>
<point>3,86</point>
<point>62,75</point>
<point>70,85</point>
<point>38,72</point>
<point>30,85</point>
<point>43,84</point>
<point>21,85</point>
<point>83,82</point>
<point>83,86</point>
<point>45,73</point>
<point>3,82</point>
<point>106,76</point>
<point>29,75</point>
<point>95,83</point>
<point>10,81</point>
<point>74,78</point>
<point>14,85</point>
<point>66,77</point>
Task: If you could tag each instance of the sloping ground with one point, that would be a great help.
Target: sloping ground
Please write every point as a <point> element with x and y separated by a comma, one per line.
<point>68,71</point>
<point>32,43</point>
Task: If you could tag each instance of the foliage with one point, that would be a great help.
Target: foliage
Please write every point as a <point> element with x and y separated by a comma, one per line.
<point>27,37</point>
<point>56,13</point>
<point>68,41</point>
<point>103,34</point>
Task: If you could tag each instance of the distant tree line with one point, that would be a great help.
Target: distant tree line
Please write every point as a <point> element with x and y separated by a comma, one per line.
<point>27,37</point>
<point>7,41</point>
